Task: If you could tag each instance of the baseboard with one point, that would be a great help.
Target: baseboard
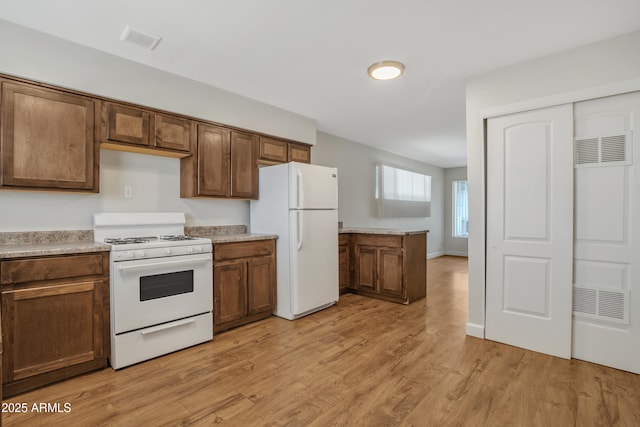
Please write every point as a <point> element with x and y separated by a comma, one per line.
<point>454,253</point>
<point>435,254</point>
<point>475,330</point>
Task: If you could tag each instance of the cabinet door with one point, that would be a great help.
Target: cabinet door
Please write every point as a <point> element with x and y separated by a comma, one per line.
<point>213,161</point>
<point>390,272</point>
<point>47,139</point>
<point>229,291</point>
<point>244,165</point>
<point>299,153</point>
<point>126,124</point>
<point>172,133</point>
<point>273,150</point>
<point>343,256</point>
<point>50,327</point>
<point>366,267</point>
<point>260,284</point>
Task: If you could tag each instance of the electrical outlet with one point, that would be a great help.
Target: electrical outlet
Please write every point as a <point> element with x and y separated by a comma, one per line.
<point>128,192</point>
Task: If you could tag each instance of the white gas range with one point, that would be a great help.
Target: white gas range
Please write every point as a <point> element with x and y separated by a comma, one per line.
<point>161,285</point>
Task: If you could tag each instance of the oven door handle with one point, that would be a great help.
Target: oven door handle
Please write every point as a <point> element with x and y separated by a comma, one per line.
<point>165,327</point>
<point>181,263</point>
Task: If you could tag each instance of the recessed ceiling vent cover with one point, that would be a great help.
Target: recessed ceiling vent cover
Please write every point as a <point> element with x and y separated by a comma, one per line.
<point>603,150</point>
<point>140,38</point>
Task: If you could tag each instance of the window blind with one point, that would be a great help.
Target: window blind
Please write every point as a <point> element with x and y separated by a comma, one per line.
<point>402,193</point>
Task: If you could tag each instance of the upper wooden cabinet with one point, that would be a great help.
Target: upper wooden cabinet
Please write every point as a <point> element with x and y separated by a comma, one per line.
<point>244,165</point>
<point>225,165</point>
<point>299,153</point>
<point>130,128</point>
<point>173,133</point>
<point>126,124</point>
<point>274,151</point>
<point>48,139</point>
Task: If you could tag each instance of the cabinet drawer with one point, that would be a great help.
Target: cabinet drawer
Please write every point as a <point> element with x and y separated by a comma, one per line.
<point>224,251</point>
<point>343,239</point>
<point>28,270</point>
<point>379,240</point>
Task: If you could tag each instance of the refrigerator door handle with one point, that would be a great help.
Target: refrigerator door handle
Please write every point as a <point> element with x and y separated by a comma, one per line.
<point>300,189</point>
<point>300,229</point>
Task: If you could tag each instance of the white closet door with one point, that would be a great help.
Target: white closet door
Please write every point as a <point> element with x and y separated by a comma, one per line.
<point>530,230</point>
<point>607,232</point>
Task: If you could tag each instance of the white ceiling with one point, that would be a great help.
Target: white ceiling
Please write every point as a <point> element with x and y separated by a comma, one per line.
<point>311,57</point>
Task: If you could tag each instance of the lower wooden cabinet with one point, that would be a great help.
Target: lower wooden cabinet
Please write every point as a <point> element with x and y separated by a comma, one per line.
<point>344,265</point>
<point>55,318</point>
<point>390,267</point>
<point>244,282</point>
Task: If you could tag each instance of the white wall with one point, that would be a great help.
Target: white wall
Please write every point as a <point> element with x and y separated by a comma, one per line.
<point>155,180</point>
<point>452,245</point>
<point>600,69</point>
<point>356,186</point>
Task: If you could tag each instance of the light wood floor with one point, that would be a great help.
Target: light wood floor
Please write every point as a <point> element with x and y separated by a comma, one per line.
<point>363,362</point>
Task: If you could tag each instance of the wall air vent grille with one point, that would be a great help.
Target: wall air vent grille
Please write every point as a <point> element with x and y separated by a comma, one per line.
<point>613,149</point>
<point>602,304</point>
<point>603,151</point>
<point>587,151</point>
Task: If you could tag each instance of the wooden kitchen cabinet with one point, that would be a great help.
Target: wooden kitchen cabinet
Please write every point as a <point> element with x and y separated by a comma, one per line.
<point>299,153</point>
<point>225,165</point>
<point>244,165</point>
<point>48,139</point>
<point>136,129</point>
<point>55,318</point>
<point>344,264</point>
<point>275,151</point>
<point>390,267</point>
<point>244,282</point>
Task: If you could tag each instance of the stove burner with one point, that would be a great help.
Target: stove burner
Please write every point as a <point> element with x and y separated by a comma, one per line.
<point>178,237</point>
<point>128,240</point>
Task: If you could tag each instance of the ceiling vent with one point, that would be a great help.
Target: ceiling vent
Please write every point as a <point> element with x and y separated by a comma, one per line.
<point>140,38</point>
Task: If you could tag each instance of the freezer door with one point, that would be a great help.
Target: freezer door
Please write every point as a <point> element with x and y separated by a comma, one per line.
<point>314,259</point>
<point>312,186</point>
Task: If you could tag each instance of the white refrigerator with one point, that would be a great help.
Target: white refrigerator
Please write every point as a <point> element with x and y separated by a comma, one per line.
<point>299,203</point>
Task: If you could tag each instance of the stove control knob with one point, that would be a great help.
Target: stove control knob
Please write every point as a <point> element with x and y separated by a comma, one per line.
<point>141,253</point>
<point>167,251</point>
<point>198,249</point>
<point>130,254</point>
<point>190,249</point>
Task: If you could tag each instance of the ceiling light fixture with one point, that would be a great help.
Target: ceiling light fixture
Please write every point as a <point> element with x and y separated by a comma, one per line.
<point>386,70</point>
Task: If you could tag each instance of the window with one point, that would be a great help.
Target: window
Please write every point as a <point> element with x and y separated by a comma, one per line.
<point>402,193</point>
<point>460,209</point>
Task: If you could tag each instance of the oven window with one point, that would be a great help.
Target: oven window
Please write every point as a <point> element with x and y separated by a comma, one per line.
<point>166,285</point>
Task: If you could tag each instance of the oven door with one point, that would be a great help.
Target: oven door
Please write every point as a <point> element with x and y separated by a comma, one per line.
<point>148,292</point>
